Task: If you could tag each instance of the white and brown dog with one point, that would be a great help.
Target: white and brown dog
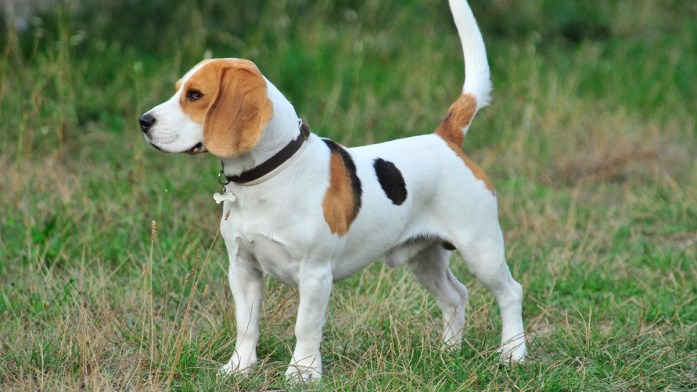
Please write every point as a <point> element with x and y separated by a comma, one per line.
<point>310,212</point>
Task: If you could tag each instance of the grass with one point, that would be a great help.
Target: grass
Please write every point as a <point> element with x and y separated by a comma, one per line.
<point>113,276</point>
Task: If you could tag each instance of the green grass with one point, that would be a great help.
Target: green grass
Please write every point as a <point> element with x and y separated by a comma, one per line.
<point>589,141</point>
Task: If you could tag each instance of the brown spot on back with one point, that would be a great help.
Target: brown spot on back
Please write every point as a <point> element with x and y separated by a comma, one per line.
<point>234,108</point>
<point>459,116</point>
<point>342,201</point>
<point>476,170</point>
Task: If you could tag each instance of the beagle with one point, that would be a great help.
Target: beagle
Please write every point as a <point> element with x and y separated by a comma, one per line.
<point>309,211</point>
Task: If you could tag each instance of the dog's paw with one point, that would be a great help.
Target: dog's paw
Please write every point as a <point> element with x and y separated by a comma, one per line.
<point>513,352</point>
<point>452,337</point>
<point>297,374</point>
<point>233,369</point>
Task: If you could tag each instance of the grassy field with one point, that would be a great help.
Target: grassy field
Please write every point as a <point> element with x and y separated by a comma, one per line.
<point>113,275</point>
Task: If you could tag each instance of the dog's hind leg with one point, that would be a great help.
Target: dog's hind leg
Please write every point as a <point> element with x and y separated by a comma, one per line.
<point>431,269</point>
<point>484,255</point>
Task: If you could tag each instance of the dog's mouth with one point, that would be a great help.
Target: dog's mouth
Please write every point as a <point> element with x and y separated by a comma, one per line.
<point>196,149</point>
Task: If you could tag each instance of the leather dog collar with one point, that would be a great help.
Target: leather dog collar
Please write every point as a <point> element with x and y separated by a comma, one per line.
<point>251,176</point>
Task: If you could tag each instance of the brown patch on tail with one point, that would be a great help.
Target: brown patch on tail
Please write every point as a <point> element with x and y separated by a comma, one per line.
<point>476,170</point>
<point>459,116</point>
<point>343,198</point>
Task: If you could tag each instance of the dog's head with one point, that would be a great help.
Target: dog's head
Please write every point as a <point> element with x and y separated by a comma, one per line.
<point>220,106</point>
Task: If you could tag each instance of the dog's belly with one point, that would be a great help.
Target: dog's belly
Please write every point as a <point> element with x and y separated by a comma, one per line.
<point>352,262</point>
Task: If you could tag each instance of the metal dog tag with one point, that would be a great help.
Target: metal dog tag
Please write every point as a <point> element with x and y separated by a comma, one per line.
<point>229,196</point>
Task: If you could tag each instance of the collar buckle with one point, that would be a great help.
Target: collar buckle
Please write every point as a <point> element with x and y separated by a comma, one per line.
<point>222,180</point>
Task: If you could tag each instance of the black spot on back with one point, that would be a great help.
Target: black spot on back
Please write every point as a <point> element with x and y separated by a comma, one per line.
<point>350,166</point>
<point>391,180</point>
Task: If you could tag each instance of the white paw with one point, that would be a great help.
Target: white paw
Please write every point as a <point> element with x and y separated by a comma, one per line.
<point>297,374</point>
<point>513,352</point>
<point>233,369</point>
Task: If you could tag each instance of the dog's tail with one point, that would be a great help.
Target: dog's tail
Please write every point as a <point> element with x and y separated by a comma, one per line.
<point>475,92</point>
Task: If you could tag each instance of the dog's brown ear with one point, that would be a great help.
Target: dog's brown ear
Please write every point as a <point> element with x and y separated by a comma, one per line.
<point>236,120</point>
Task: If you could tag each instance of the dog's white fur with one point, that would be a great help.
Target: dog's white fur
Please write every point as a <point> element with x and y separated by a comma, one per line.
<point>277,227</point>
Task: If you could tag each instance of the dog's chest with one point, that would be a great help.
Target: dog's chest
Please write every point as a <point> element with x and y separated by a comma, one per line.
<point>257,239</point>
<point>275,259</point>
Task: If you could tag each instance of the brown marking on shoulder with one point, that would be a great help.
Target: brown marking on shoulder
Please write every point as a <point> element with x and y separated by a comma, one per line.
<point>459,116</point>
<point>342,200</point>
<point>476,170</point>
<point>233,106</point>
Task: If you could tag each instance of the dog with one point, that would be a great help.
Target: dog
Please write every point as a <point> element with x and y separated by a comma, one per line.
<point>309,211</point>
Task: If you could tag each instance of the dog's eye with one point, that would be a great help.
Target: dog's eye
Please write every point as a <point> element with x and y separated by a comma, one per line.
<point>193,95</point>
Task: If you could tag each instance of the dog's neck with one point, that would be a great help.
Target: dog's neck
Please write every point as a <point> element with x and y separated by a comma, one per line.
<point>281,129</point>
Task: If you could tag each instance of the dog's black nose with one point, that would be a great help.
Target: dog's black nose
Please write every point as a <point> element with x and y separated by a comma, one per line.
<point>146,122</point>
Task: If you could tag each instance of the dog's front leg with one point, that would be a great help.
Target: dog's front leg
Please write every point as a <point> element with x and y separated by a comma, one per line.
<point>315,287</point>
<point>246,284</point>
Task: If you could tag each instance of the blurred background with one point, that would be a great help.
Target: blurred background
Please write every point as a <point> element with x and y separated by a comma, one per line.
<point>111,272</point>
